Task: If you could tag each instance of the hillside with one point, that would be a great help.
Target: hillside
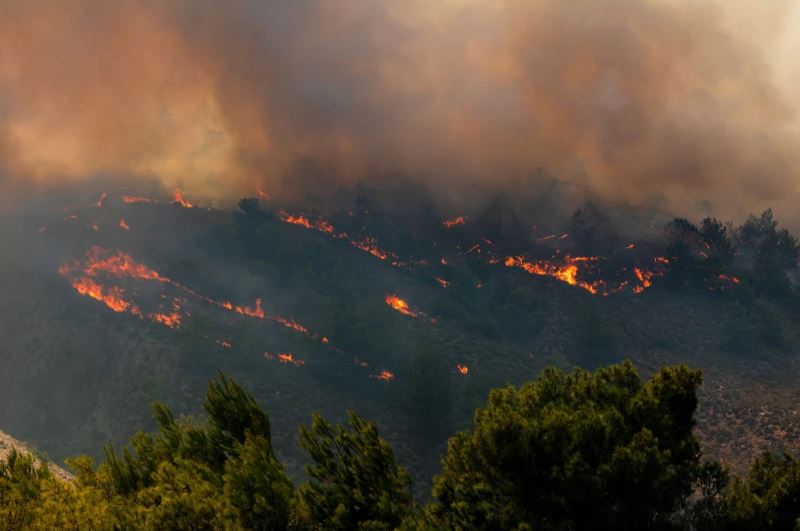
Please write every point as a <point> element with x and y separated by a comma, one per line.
<point>407,316</point>
<point>7,443</point>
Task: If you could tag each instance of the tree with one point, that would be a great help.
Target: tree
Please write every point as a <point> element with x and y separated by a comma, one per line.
<point>21,480</point>
<point>354,481</point>
<point>574,451</point>
<point>773,253</point>
<point>768,499</point>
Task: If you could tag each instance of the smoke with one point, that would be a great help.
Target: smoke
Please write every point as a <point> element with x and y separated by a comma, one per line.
<point>684,102</point>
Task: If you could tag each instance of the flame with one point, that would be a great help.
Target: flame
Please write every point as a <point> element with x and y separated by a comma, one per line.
<point>118,264</point>
<point>463,369</point>
<point>566,273</point>
<point>111,297</point>
<point>320,224</point>
<point>95,226</point>
<point>179,199</point>
<point>644,277</point>
<point>131,199</point>
<point>123,224</point>
<point>100,201</point>
<point>399,305</point>
<point>630,246</point>
<point>442,282</point>
<point>730,278</point>
<point>384,375</point>
<point>223,343</point>
<point>661,260</point>
<point>443,261</point>
<point>257,312</point>
<point>288,323</point>
<point>455,222</point>
<point>171,320</point>
<point>285,357</point>
<point>262,194</point>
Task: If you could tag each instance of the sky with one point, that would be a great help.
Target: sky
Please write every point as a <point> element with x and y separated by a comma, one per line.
<point>685,103</point>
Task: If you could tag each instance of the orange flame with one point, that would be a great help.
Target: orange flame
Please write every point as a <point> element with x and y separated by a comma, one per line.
<point>111,297</point>
<point>180,200</point>
<point>442,282</point>
<point>100,201</point>
<point>399,305</point>
<point>455,222</point>
<point>661,260</point>
<point>131,199</point>
<point>285,357</point>
<point>223,343</point>
<point>730,278</point>
<point>566,273</point>
<point>644,277</point>
<point>123,224</point>
<point>384,375</point>
<point>630,246</point>
<point>463,369</point>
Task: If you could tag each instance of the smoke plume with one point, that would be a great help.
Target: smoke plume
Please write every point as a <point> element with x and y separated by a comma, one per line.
<point>639,101</point>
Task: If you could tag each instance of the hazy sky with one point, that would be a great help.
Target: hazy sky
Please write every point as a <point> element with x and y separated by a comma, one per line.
<point>682,100</point>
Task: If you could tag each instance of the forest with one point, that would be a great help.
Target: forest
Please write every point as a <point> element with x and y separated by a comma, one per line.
<point>567,451</point>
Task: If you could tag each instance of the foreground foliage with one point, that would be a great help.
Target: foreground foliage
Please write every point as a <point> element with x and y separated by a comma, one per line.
<point>602,450</point>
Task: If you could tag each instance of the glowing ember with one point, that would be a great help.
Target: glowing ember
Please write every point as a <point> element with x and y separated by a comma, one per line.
<point>455,222</point>
<point>171,320</point>
<point>442,282</point>
<point>100,201</point>
<point>131,199</point>
<point>399,305</point>
<point>118,264</point>
<point>384,375</point>
<point>285,357</point>
<point>123,224</point>
<point>661,260</point>
<point>463,369</point>
<point>288,323</point>
<point>262,194</point>
<point>630,246</point>
<point>223,343</point>
<point>180,200</point>
<point>730,278</point>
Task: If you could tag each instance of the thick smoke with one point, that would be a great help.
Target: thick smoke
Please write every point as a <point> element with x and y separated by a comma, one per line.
<point>632,100</point>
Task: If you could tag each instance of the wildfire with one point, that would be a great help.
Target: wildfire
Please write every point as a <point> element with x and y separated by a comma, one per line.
<point>567,272</point>
<point>171,320</point>
<point>463,369</point>
<point>288,323</point>
<point>644,277</point>
<point>118,264</point>
<point>180,200</point>
<point>285,357</point>
<point>131,199</point>
<point>455,222</point>
<point>123,224</point>
<point>399,305</point>
<point>384,375</point>
<point>111,297</point>
<point>257,312</point>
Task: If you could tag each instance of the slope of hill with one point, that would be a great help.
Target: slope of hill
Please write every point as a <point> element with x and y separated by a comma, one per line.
<point>8,443</point>
<point>407,318</point>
